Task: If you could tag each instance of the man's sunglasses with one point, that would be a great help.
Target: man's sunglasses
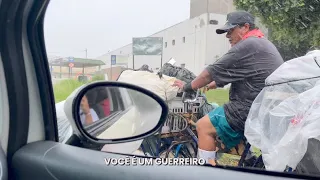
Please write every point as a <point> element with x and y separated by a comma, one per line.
<point>232,29</point>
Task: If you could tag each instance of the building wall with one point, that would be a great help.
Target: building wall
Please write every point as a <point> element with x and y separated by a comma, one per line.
<point>57,69</point>
<point>217,44</point>
<point>198,7</point>
<point>195,44</point>
<point>191,51</point>
<point>115,71</point>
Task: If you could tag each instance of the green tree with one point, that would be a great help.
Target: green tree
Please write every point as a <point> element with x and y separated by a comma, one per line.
<point>294,24</point>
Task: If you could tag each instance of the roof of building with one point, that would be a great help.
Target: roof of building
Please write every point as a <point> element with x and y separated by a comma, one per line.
<point>77,62</point>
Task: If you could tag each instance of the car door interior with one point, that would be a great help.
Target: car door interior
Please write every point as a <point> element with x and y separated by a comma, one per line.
<point>3,165</point>
<point>52,160</point>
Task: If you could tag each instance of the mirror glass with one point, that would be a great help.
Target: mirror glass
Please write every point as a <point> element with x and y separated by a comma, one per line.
<point>117,112</point>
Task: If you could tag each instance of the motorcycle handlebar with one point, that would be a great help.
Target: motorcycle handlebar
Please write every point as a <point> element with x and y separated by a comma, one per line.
<point>190,100</point>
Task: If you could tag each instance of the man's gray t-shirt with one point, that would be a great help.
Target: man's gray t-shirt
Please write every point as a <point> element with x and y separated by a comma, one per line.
<point>245,66</point>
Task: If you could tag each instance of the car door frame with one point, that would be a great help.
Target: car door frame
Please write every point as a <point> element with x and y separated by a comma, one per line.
<point>21,22</point>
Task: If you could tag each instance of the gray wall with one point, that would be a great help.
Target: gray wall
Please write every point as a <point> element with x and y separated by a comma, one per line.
<point>202,45</point>
<point>198,7</point>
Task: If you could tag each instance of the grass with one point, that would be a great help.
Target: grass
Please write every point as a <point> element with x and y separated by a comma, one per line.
<point>97,78</point>
<point>219,96</point>
<point>228,159</point>
<point>65,87</point>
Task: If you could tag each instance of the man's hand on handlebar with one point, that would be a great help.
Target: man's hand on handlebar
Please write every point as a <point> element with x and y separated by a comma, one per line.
<point>185,87</point>
<point>181,84</point>
<point>212,85</point>
<point>178,83</point>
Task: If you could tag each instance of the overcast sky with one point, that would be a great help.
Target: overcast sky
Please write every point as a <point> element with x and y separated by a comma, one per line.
<point>71,26</point>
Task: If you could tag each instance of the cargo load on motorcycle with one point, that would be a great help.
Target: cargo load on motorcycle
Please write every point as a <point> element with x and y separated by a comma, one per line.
<point>284,120</point>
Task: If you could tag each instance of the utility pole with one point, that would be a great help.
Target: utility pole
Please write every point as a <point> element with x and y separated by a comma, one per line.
<point>86,50</point>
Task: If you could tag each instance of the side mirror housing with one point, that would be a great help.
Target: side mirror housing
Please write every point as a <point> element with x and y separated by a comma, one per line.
<point>114,112</point>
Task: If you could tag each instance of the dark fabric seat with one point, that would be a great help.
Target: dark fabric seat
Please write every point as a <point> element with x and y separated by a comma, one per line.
<point>99,110</point>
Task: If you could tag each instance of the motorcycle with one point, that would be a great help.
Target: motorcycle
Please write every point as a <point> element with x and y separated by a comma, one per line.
<point>283,122</point>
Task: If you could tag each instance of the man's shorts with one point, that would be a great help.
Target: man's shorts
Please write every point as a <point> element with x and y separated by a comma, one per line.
<point>228,136</point>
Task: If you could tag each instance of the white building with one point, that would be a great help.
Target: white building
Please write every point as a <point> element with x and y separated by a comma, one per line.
<point>193,43</point>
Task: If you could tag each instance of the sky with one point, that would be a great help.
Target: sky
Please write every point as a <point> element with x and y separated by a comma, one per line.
<point>71,26</point>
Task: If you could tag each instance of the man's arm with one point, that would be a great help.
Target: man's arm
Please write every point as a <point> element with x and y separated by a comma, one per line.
<point>91,117</point>
<point>226,70</point>
<point>202,80</point>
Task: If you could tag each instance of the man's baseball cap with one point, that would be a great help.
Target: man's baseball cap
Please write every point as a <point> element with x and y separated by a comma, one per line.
<point>234,19</point>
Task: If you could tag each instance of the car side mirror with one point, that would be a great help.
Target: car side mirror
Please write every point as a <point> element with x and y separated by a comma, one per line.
<point>115,112</point>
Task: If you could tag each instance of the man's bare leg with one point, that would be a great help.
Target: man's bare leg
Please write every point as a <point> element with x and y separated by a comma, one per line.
<point>206,140</point>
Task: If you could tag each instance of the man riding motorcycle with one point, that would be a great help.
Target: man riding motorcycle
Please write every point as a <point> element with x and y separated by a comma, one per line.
<point>251,59</point>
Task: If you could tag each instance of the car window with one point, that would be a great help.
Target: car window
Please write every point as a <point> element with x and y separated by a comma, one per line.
<point>117,99</point>
<point>126,99</point>
<point>107,105</point>
<point>255,63</point>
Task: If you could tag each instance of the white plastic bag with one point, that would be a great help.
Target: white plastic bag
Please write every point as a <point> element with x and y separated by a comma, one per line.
<point>151,81</point>
<point>64,127</point>
<point>286,113</point>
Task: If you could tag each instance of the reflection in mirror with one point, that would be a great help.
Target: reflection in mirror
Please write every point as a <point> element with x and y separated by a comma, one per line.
<point>117,112</point>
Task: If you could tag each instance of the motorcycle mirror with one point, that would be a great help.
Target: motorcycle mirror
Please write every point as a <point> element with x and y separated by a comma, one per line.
<point>172,61</point>
<point>115,112</point>
<point>189,97</point>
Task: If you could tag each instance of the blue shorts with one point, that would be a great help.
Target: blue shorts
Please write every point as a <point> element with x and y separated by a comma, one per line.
<point>228,136</point>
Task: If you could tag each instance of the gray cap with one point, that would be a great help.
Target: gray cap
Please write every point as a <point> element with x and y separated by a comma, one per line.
<point>234,19</point>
